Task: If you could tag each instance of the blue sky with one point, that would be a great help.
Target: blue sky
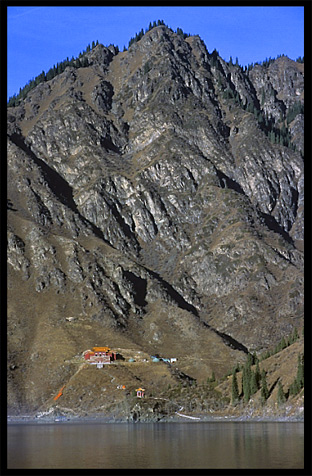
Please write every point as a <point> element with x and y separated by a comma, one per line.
<point>39,37</point>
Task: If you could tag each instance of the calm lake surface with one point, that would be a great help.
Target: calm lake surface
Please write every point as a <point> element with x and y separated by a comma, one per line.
<point>161,445</point>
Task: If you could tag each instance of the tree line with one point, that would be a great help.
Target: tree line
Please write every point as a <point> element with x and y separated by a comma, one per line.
<point>277,135</point>
<point>80,62</point>
<point>151,25</point>
<point>266,63</point>
<point>254,380</point>
<point>141,33</point>
<point>284,342</point>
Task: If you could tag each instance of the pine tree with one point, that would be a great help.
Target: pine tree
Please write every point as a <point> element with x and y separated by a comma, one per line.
<point>236,367</point>
<point>253,383</point>
<point>264,388</point>
<point>84,62</point>
<point>294,388</point>
<point>235,393</point>
<point>280,394</point>
<point>272,137</point>
<point>250,107</point>
<point>298,382</point>
<point>258,374</point>
<point>262,97</point>
<point>260,118</point>
<point>295,335</point>
<point>246,380</point>
<point>300,371</point>
<point>250,360</point>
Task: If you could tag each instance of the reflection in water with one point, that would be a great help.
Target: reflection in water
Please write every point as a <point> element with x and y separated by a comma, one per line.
<point>162,445</point>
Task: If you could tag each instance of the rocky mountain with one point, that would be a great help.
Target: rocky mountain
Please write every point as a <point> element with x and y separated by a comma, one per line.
<point>155,205</point>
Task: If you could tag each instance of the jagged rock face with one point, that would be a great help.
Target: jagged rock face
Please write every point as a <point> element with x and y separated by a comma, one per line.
<point>134,185</point>
<point>283,78</point>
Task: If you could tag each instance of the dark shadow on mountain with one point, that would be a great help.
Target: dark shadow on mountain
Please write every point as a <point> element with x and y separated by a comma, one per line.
<point>272,224</point>
<point>57,184</point>
<point>139,288</point>
<point>109,145</point>
<point>227,182</point>
<point>175,296</point>
<point>233,343</point>
<point>121,222</point>
<point>228,340</point>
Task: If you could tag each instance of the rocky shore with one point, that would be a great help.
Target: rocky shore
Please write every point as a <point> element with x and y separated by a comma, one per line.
<point>144,412</point>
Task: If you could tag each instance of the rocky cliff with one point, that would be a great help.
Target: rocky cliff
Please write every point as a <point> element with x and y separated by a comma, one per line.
<point>147,200</point>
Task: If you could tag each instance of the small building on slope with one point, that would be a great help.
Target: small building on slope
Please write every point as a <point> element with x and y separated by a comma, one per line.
<point>100,356</point>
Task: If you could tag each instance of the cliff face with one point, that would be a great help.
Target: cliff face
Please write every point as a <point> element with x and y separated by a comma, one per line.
<point>148,203</point>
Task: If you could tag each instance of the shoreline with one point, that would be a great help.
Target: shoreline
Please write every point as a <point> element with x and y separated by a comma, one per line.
<point>249,413</point>
<point>106,420</point>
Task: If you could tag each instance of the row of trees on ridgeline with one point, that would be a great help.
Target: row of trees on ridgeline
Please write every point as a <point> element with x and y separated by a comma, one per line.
<point>80,62</point>
<point>277,135</point>
<point>266,63</point>
<point>284,342</point>
<point>141,33</point>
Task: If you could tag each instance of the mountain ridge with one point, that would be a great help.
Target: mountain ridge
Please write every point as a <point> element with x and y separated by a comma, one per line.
<point>156,208</point>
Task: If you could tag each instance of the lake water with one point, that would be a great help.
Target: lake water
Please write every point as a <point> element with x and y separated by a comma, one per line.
<point>156,445</point>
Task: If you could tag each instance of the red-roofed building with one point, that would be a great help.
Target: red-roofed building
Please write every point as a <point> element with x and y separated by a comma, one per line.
<point>100,356</point>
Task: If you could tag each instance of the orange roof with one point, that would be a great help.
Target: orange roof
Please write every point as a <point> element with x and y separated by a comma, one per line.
<point>140,389</point>
<point>100,349</point>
